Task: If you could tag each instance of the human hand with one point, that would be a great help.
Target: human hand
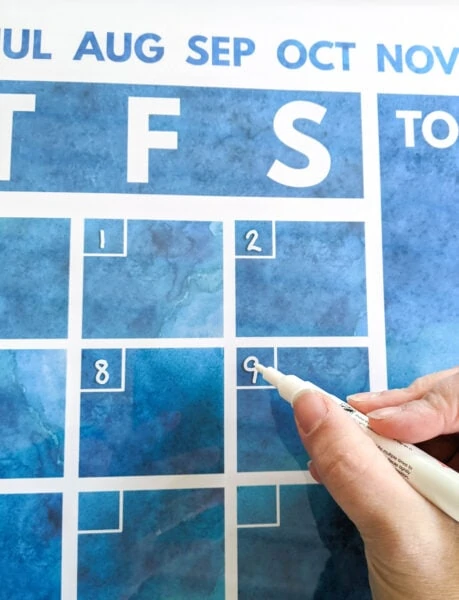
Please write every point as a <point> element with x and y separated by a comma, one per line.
<point>412,548</point>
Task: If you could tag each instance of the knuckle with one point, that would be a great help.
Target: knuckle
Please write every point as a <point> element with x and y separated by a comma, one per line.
<point>423,384</point>
<point>420,384</point>
<point>434,399</point>
<point>443,401</point>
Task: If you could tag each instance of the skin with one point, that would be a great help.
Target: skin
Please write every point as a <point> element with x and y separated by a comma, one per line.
<point>412,548</point>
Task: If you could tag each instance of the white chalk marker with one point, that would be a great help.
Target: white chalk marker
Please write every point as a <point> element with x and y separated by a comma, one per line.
<point>430,477</point>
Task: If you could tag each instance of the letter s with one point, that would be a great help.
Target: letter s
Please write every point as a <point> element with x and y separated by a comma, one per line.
<point>317,154</point>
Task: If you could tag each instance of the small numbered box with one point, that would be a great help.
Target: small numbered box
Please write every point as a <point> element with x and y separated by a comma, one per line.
<point>254,238</point>
<point>247,359</point>
<point>99,512</point>
<point>102,369</point>
<point>104,236</point>
<point>257,506</point>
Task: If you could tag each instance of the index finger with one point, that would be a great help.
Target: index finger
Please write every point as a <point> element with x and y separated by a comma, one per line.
<point>368,401</point>
<point>435,413</point>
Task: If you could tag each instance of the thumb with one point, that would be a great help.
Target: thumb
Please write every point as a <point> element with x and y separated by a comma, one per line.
<point>350,465</point>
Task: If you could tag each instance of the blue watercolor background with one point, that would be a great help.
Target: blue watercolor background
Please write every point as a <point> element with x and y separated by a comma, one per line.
<point>30,546</point>
<point>315,553</point>
<point>168,421</point>
<point>267,435</point>
<point>314,287</point>
<point>266,432</point>
<point>421,243</point>
<point>169,285</point>
<point>339,371</point>
<point>32,413</point>
<point>34,277</point>
<point>256,504</point>
<point>171,547</point>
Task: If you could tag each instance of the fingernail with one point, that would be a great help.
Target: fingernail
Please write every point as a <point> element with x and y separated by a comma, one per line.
<point>385,413</point>
<point>310,410</point>
<point>363,396</point>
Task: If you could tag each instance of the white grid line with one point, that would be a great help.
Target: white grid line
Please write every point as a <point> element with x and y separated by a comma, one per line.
<point>230,410</point>
<point>373,242</point>
<point>72,416</point>
<point>255,387</point>
<point>147,343</point>
<point>152,482</point>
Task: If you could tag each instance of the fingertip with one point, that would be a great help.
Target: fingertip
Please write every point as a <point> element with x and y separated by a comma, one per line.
<point>411,422</point>
<point>389,422</point>
<point>370,401</point>
<point>363,402</point>
<point>385,413</point>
